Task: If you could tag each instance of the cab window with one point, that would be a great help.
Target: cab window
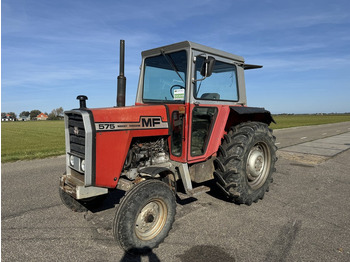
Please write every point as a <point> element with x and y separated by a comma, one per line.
<point>165,78</point>
<point>221,85</point>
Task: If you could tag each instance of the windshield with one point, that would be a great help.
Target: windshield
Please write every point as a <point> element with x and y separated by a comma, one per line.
<point>165,78</point>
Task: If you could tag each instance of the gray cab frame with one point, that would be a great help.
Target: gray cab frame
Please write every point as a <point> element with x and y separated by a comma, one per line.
<point>193,49</point>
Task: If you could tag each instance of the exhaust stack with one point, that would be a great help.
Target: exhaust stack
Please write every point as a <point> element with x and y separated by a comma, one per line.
<point>121,84</point>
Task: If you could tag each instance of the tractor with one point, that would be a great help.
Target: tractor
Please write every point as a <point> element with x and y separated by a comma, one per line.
<point>190,124</point>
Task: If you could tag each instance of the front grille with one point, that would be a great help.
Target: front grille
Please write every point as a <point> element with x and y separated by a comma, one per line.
<point>76,134</point>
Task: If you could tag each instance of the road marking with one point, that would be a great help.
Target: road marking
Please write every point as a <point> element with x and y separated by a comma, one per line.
<point>303,137</point>
<point>324,134</point>
<point>277,144</point>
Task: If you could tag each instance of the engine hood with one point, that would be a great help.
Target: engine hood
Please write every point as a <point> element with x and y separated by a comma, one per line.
<point>130,117</point>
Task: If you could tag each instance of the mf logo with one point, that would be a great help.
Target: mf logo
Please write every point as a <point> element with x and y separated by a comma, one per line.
<point>145,122</point>
<point>150,121</point>
<point>76,130</point>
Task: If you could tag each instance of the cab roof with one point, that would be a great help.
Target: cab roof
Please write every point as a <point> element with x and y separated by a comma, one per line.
<point>193,46</point>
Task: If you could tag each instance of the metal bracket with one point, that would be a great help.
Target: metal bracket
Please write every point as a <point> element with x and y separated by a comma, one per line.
<point>185,177</point>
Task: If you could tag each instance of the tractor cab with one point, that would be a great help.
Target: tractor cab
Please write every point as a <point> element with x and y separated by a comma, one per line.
<point>197,84</point>
<point>187,72</point>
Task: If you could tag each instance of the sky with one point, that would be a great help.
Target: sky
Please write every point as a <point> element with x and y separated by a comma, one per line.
<point>53,51</point>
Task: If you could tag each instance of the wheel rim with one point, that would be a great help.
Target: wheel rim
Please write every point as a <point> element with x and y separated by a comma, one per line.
<point>258,165</point>
<point>151,219</point>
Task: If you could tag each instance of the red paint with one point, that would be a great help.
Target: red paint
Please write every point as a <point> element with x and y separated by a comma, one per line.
<point>216,135</point>
<point>112,146</point>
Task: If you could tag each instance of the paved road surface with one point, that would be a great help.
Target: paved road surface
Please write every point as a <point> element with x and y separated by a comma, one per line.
<point>304,217</point>
<point>296,135</point>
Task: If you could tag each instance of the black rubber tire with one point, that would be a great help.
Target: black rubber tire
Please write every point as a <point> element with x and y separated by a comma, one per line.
<point>81,205</point>
<point>138,210</point>
<point>245,162</point>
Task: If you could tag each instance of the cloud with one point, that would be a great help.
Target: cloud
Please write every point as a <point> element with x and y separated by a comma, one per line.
<point>49,46</point>
<point>38,77</point>
<point>306,63</point>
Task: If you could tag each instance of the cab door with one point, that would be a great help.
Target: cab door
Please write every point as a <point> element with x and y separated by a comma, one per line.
<point>211,99</point>
<point>178,139</point>
<point>203,119</point>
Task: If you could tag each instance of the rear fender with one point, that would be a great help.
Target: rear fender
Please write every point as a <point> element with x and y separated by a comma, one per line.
<point>244,114</point>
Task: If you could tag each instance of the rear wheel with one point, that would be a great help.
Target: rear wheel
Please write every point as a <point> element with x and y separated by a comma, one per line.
<point>144,216</point>
<point>246,161</point>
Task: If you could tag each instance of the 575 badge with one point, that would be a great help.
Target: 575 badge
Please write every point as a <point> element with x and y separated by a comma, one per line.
<point>145,122</point>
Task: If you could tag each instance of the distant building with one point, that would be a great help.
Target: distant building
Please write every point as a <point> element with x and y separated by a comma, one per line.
<point>41,116</point>
<point>7,118</point>
<point>24,118</point>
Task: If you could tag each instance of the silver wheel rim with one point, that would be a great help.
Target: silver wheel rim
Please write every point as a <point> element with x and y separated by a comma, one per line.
<point>151,219</point>
<point>258,165</point>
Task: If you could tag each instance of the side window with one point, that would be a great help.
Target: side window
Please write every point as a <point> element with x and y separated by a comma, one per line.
<point>176,134</point>
<point>202,121</point>
<point>221,85</point>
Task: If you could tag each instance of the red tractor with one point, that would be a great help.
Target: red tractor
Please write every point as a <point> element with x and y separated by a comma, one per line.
<point>190,123</point>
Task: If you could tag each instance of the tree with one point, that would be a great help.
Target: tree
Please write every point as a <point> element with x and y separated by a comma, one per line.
<point>24,114</point>
<point>13,115</point>
<point>3,114</point>
<point>59,112</point>
<point>34,113</point>
<point>56,114</point>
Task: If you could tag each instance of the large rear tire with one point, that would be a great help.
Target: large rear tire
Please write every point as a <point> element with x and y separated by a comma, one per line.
<point>245,163</point>
<point>144,216</point>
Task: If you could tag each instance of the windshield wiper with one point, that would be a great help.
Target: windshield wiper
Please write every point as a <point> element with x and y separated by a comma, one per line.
<point>172,64</point>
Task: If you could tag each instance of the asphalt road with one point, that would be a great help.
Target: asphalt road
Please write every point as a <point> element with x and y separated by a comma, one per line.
<point>304,217</point>
<point>296,135</point>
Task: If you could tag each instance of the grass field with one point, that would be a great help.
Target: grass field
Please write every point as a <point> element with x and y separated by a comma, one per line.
<point>285,121</point>
<point>40,139</point>
<point>32,139</point>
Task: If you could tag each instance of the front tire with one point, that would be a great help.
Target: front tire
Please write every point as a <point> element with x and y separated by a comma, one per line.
<point>144,217</point>
<point>246,161</point>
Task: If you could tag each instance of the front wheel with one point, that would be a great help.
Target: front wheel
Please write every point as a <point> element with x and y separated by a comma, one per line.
<point>144,216</point>
<point>246,161</point>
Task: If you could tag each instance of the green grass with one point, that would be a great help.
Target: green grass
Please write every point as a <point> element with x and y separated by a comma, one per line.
<point>40,139</point>
<point>31,140</point>
<point>285,121</point>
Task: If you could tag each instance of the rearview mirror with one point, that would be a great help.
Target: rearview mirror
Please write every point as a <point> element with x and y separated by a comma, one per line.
<point>208,66</point>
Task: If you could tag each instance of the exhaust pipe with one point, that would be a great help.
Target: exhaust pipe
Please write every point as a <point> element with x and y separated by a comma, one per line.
<point>121,84</point>
<point>82,101</point>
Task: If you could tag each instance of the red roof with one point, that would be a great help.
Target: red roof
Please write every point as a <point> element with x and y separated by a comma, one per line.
<point>42,115</point>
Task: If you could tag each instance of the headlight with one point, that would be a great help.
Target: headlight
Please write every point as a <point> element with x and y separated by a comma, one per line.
<point>71,160</point>
<point>82,165</point>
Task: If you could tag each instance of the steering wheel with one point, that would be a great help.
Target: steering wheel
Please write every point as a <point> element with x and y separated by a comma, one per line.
<point>172,87</point>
